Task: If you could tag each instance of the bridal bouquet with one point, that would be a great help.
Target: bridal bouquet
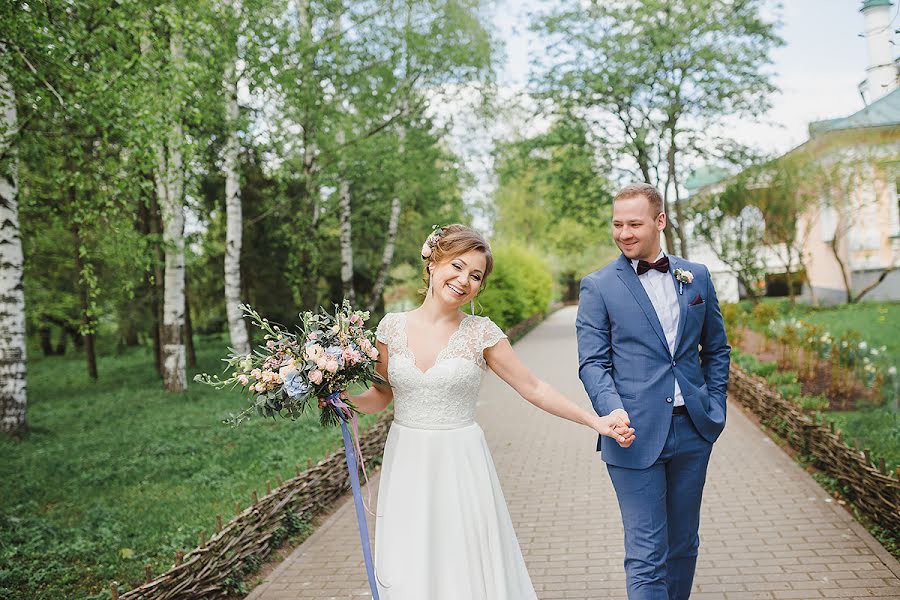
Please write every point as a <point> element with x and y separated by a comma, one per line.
<point>292,371</point>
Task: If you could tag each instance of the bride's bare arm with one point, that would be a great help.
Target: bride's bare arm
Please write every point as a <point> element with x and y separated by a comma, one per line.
<point>504,361</point>
<point>377,397</point>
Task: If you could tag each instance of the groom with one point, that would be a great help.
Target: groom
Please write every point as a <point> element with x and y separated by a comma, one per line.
<point>651,345</point>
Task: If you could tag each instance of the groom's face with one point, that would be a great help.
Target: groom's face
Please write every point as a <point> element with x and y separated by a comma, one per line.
<point>636,228</point>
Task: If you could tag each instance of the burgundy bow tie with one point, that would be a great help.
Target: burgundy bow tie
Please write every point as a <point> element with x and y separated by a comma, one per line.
<point>662,265</point>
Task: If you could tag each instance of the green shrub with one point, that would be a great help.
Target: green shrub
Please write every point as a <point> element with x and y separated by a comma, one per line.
<point>520,286</point>
<point>789,390</point>
<point>733,314</point>
<point>876,428</point>
<point>735,320</point>
<point>764,312</point>
<point>817,402</point>
<point>764,369</point>
<point>782,377</point>
<point>752,365</point>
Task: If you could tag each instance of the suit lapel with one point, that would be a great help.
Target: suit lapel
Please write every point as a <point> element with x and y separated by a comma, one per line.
<point>682,300</point>
<point>631,281</point>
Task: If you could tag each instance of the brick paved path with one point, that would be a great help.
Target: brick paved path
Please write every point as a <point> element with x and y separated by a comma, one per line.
<point>768,530</point>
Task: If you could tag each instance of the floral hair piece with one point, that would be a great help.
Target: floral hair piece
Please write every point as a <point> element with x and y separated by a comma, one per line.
<point>432,241</point>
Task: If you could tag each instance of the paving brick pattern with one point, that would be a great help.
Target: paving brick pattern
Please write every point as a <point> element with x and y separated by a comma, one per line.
<point>768,530</point>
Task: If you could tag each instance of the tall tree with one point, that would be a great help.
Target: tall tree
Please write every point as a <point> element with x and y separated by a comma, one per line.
<point>13,395</point>
<point>787,193</point>
<point>237,327</point>
<point>346,235</point>
<point>656,78</point>
<point>387,255</point>
<point>366,70</point>
<point>73,66</point>
<point>849,202</point>
<point>169,180</point>
<point>735,231</point>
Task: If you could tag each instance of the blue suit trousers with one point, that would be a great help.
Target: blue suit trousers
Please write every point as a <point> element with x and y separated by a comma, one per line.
<point>660,508</point>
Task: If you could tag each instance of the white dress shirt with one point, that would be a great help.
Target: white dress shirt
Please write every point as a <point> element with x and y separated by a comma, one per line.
<point>661,289</point>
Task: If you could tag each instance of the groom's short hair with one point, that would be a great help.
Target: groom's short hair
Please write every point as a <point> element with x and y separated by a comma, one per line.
<point>642,189</point>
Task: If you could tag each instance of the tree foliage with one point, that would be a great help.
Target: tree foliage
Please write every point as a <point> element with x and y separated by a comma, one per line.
<point>553,194</point>
<point>654,79</point>
<point>735,231</point>
<point>99,94</point>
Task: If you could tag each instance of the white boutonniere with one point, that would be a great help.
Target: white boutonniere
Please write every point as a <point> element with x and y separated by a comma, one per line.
<point>683,276</point>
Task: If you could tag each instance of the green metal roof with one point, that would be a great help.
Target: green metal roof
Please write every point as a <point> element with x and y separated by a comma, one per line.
<point>705,176</point>
<point>871,3</point>
<point>884,112</point>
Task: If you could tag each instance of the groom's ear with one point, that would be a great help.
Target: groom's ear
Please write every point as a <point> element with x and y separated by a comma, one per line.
<point>661,221</point>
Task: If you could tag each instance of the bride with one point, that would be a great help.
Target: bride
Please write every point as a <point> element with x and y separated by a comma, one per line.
<point>442,530</point>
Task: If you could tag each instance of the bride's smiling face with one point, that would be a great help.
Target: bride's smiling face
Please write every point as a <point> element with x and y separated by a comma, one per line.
<point>456,281</point>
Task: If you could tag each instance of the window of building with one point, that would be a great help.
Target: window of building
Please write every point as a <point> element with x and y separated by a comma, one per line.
<point>827,218</point>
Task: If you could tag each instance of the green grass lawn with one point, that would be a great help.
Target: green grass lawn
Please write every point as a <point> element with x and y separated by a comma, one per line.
<point>877,429</point>
<point>117,473</point>
<point>877,322</point>
<point>879,325</point>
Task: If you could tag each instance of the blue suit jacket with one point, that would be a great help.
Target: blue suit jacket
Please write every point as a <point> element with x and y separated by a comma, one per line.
<point>624,360</point>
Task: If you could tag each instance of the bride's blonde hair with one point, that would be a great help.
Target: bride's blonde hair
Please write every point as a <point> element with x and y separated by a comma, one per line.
<point>454,240</point>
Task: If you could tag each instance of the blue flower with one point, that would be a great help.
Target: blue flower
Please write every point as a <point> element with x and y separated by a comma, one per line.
<point>295,386</point>
<point>337,352</point>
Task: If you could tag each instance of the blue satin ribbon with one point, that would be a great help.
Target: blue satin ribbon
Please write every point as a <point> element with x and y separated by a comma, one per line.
<point>353,468</point>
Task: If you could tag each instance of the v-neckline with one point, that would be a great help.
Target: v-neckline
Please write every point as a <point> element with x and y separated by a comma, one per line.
<point>440,353</point>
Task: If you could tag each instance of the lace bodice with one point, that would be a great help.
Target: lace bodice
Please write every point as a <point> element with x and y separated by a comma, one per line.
<point>443,397</point>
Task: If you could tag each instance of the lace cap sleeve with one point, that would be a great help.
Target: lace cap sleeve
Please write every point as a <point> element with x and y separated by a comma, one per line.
<point>490,333</point>
<point>384,333</point>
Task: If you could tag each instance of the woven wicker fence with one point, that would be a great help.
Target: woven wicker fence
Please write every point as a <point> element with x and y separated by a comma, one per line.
<point>207,571</point>
<point>874,491</point>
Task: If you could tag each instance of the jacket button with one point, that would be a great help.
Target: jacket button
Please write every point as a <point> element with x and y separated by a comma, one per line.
<point>673,363</point>
<point>669,400</point>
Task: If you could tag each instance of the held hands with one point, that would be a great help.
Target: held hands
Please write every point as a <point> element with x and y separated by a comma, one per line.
<point>617,426</point>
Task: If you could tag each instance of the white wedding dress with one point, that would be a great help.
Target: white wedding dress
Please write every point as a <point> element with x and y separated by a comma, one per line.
<point>442,528</point>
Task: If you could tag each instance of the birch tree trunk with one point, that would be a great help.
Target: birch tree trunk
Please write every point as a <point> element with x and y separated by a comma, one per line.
<point>13,397</point>
<point>346,231</point>
<point>169,189</point>
<point>679,227</point>
<point>237,328</point>
<point>310,147</point>
<point>346,242</point>
<point>387,256</point>
<point>189,331</point>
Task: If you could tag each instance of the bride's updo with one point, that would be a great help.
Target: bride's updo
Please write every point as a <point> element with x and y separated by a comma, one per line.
<point>451,241</point>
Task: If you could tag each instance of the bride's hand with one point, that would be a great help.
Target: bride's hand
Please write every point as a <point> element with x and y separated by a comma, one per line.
<point>617,427</point>
<point>344,396</point>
